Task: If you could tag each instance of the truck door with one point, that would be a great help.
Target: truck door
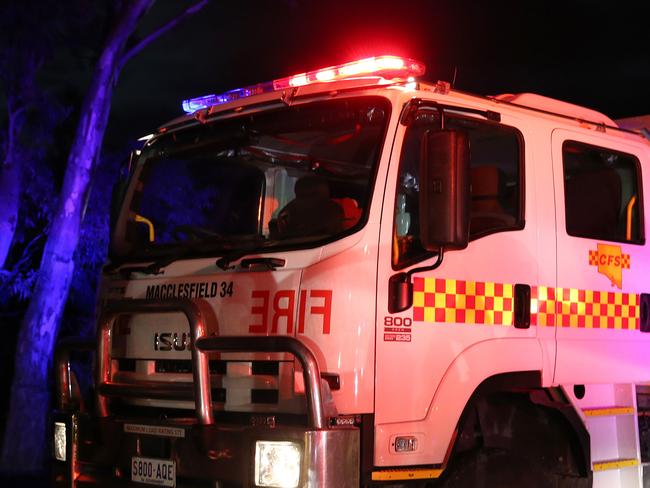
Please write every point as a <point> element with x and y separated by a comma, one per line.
<point>601,267</point>
<point>460,329</point>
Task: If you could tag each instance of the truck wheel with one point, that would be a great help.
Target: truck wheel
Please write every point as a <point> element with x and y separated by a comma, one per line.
<point>499,468</point>
<point>510,439</point>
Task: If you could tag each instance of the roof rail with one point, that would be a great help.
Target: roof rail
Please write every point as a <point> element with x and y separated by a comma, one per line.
<point>640,124</point>
<point>551,105</point>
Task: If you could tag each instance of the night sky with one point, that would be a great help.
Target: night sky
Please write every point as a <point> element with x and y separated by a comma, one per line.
<point>590,53</point>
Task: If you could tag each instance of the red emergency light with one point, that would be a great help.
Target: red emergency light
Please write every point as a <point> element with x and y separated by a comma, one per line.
<point>387,67</point>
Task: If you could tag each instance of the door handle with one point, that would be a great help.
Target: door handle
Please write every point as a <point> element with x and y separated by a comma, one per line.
<point>522,306</point>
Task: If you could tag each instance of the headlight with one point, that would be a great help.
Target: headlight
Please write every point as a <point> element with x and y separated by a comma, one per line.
<point>277,464</point>
<point>59,441</point>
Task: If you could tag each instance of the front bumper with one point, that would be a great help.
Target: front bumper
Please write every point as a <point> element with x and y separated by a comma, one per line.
<point>100,447</point>
<point>100,452</point>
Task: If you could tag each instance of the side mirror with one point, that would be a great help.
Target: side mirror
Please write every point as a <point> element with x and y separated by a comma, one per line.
<point>444,190</point>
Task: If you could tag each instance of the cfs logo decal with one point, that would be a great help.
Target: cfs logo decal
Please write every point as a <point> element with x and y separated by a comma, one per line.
<point>611,262</point>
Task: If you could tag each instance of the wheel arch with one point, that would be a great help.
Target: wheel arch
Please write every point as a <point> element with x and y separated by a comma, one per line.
<point>520,359</point>
<point>509,371</point>
<point>463,376</point>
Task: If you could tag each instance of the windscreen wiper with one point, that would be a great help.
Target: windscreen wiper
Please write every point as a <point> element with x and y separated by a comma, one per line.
<point>253,264</point>
<point>245,244</point>
<point>157,266</point>
<point>224,262</point>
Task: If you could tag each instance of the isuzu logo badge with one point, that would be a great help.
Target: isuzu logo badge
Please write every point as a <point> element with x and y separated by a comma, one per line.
<point>166,341</point>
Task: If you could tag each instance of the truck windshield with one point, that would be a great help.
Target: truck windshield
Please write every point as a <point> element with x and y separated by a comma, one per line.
<point>292,176</point>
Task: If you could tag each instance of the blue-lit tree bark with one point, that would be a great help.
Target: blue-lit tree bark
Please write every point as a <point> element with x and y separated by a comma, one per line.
<point>25,43</point>
<point>24,440</point>
<point>26,425</point>
<point>10,182</point>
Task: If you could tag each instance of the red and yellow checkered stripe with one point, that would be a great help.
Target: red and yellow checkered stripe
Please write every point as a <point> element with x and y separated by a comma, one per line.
<point>457,301</point>
<point>571,307</point>
<point>437,300</point>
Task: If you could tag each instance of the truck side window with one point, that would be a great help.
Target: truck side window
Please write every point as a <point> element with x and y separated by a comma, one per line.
<point>496,183</point>
<point>602,194</point>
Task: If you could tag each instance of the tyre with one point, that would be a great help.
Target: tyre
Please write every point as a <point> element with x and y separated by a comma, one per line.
<point>498,468</point>
<point>506,440</point>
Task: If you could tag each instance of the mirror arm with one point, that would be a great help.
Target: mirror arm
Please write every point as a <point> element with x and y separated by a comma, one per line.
<point>422,269</point>
<point>400,286</point>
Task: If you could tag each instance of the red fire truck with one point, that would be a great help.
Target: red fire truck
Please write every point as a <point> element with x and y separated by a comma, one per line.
<point>351,277</point>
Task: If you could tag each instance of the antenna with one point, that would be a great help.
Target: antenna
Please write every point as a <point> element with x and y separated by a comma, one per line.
<point>453,80</point>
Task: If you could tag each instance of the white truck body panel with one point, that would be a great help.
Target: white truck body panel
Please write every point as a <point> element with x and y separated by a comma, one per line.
<point>413,372</point>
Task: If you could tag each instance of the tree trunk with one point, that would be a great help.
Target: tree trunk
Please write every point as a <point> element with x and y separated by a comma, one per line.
<point>24,445</point>
<point>10,186</point>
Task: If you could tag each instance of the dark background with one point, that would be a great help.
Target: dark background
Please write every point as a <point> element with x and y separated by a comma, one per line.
<point>590,53</point>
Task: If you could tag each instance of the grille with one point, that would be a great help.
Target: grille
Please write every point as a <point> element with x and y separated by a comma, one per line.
<point>258,396</point>
<point>264,396</point>
<point>185,366</point>
<point>270,368</point>
<point>126,365</point>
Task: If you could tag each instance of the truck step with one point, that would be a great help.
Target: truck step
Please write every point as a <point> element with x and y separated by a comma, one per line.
<point>608,411</point>
<point>614,464</point>
<point>397,474</point>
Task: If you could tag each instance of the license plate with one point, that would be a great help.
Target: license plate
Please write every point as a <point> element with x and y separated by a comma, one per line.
<point>160,472</point>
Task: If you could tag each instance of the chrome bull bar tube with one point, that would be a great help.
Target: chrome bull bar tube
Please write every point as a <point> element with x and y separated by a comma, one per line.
<point>201,390</point>
<point>105,387</point>
<point>62,362</point>
<point>310,370</point>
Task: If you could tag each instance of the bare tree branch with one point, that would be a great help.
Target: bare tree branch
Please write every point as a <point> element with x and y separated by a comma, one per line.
<point>157,33</point>
<point>9,275</point>
<point>29,250</point>
<point>13,127</point>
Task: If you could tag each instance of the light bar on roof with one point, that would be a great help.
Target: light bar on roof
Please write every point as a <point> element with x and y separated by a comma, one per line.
<point>388,67</point>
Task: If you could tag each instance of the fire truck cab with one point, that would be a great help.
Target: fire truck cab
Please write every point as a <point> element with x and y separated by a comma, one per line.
<point>351,277</point>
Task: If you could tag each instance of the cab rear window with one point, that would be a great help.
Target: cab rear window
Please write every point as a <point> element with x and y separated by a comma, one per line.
<point>602,193</point>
